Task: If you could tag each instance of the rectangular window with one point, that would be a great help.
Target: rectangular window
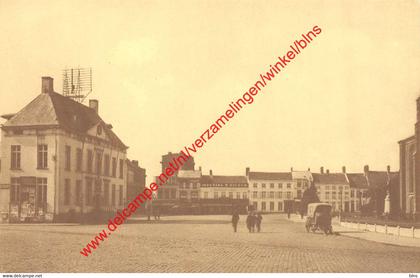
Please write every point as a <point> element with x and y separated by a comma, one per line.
<point>223,194</point>
<point>216,195</point>
<point>327,195</point>
<point>245,195</point>
<point>114,167</point>
<point>121,168</point>
<point>263,195</point>
<point>14,189</point>
<point>67,158</point>
<point>280,206</point>
<point>334,195</point>
<point>78,192</point>
<point>299,194</point>
<point>271,206</point>
<point>254,194</point>
<point>230,195</point>
<point>281,195</point>
<point>88,193</point>
<point>106,192</point>
<point>67,192</point>
<point>113,195</point>
<point>98,163</point>
<point>121,195</point>
<point>263,185</point>
<point>41,193</point>
<point>206,195</point>
<point>89,165</point>
<point>106,165</point>
<point>255,185</point>
<point>289,195</point>
<point>42,156</point>
<point>79,159</point>
<point>255,205</point>
<point>271,185</point>
<point>15,157</point>
<point>263,208</point>
<point>272,194</point>
<point>299,184</point>
<point>238,195</point>
<point>289,186</point>
<point>280,185</point>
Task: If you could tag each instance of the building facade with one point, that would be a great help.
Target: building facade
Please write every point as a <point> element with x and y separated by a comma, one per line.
<point>333,188</point>
<point>60,160</point>
<point>271,191</point>
<point>223,194</point>
<point>409,192</point>
<point>136,179</point>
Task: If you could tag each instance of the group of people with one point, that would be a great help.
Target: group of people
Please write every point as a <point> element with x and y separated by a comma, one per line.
<point>253,221</point>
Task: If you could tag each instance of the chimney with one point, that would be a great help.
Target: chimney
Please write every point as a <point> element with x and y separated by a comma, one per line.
<point>344,169</point>
<point>211,173</point>
<point>328,171</point>
<point>388,169</point>
<point>247,170</point>
<point>94,104</point>
<point>321,170</point>
<point>47,85</point>
<point>291,169</point>
<point>366,169</point>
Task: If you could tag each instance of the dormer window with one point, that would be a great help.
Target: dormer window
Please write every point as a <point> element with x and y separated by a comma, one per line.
<point>99,130</point>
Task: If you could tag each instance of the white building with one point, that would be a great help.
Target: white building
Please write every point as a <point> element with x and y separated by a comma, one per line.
<point>59,159</point>
<point>270,191</point>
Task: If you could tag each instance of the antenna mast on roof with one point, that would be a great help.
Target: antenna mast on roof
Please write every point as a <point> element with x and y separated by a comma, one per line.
<point>77,83</point>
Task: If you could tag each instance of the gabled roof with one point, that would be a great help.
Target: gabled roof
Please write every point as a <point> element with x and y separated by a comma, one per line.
<point>270,176</point>
<point>53,109</point>
<point>357,180</point>
<point>223,180</point>
<point>411,138</point>
<point>307,175</point>
<point>332,178</point>
<point>394,181</point>
<point>377,178</point>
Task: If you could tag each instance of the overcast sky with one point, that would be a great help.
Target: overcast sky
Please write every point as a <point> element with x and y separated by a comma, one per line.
<point>163,71</point>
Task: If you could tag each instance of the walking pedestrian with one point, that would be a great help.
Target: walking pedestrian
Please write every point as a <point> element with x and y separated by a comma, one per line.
<point>235,220</point>
<point>258,220</point>
<point>250,222</point>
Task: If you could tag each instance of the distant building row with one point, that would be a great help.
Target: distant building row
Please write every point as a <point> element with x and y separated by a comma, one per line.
<point>192,191</point>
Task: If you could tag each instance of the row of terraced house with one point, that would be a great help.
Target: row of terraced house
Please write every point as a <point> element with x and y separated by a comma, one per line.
<point>192,191</point>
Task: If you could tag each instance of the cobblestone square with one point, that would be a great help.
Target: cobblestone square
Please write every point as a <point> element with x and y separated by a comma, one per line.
<point>197,244</point>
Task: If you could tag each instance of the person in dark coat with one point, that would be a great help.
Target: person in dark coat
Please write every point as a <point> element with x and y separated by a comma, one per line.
<point>250,222</point>
<point>258,220</point>
<point>235,220</point>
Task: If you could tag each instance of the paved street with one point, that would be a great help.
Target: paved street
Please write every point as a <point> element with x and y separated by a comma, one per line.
<point>197,244</point>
